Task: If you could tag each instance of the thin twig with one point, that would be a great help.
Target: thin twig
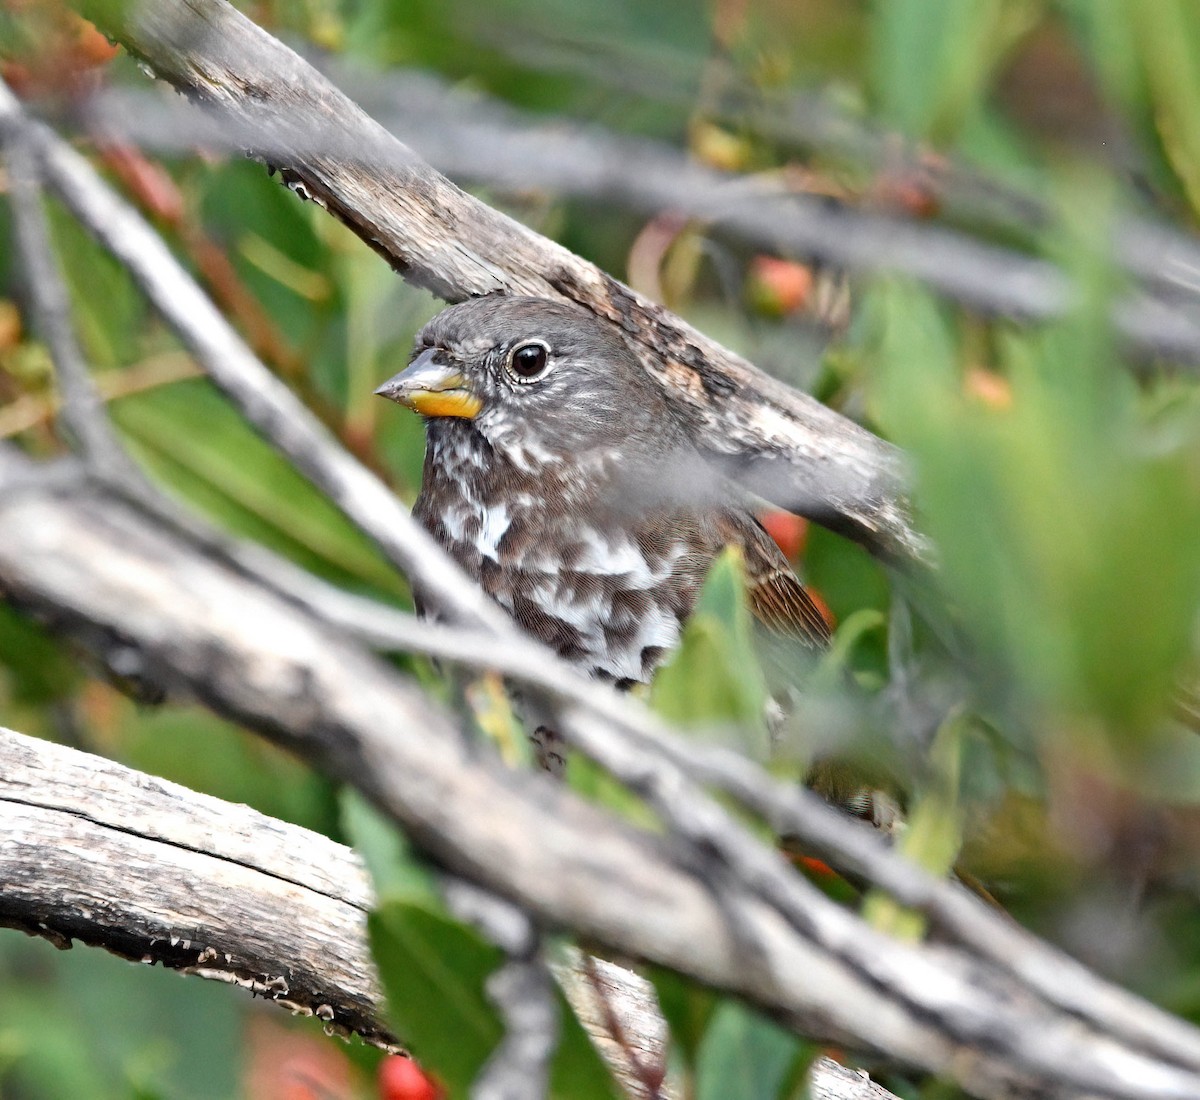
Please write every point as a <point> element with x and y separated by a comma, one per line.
<point>470,137</point>
<point>522,990</point>
<point>81,410</point>
<point>161,370</point>
<point>261,397</point>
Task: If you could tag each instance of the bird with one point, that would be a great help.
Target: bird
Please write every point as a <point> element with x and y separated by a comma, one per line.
<point>564,483</point>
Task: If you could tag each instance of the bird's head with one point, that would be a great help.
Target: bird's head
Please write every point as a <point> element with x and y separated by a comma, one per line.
<point>532,374</point>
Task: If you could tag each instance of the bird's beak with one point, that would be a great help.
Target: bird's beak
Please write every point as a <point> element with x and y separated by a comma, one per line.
<point>432,388</point>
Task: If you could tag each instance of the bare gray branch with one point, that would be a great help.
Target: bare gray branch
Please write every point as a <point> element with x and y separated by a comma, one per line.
<point>147,869</point>
<point>70,818</point>
<point>110,578</point>
<point>782,442</point>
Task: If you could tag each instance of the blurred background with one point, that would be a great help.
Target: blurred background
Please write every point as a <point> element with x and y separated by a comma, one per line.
<point>993,264</point>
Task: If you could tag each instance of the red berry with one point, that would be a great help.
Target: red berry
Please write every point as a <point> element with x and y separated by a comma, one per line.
<point>789,532</point>
<point>400,1078</point>
<point>778,287</point>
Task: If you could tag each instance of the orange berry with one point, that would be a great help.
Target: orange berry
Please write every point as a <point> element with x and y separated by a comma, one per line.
<point>988,388</point>
<point>789,532</point>
<point>400,1078</point>
<point>778,287</point>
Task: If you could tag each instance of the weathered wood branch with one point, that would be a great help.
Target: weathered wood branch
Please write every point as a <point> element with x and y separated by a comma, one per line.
<point>107,856</point>
<point>782,443</point>
<point>95,852</point>
<point>141,597</point>
<point>274,410</point>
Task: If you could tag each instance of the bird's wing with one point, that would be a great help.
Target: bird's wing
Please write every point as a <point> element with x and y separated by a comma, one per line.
<point>777,598</point>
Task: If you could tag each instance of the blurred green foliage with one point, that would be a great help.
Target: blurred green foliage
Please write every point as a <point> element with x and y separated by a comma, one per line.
<point>1024,696</point>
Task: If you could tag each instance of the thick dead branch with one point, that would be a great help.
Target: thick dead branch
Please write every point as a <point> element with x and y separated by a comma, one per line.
<point>95,852</point>
<point>1048,974</point>
<point>784,444</point>
<point>128,589</point>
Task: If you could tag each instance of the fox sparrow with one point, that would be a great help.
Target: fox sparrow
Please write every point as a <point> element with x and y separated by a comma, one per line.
<point>557,475</point>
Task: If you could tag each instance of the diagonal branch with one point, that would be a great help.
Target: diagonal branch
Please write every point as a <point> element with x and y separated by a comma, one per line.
<point>200,888</point>
<point>115,581</point>
<point>1043,970</point>
<point>782,443</point>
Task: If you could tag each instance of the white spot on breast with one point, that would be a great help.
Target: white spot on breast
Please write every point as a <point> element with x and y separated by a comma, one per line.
<point>495,522</point>
<point>611,556</point>
<point>584,615</point>
<point>659,627</point>
<point>454,520</point>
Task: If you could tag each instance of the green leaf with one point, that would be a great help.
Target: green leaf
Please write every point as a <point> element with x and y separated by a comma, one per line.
<point>396,871</point>
<point>38,670</point>
<point>933,58</point>
<point>107,309</point>
<point>714,679</point>
<point>434,971</point>
<point>687,1007</point>
<point>1167,37</point>
<point>850,633</point>
<point>744,1056</point>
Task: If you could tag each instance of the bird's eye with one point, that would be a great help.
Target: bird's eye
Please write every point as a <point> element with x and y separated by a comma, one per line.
<point>527,362</point>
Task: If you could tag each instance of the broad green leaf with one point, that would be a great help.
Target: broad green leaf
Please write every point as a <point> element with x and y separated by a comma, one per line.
<point>714,679</point>
<point>434,971</point>
<point>108,311</point>
<point>396,871</point>
<point>933,58</point>
<point>744,1056</point>
<point>688,1008</point>
<point>846,640</point>
<point>38,671</point>
<point>1167,37</point>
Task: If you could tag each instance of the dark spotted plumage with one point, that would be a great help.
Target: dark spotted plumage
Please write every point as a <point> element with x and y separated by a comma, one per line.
<point>558,476</point>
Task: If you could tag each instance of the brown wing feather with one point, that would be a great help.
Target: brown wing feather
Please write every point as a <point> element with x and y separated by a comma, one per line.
<point>777,598</point>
